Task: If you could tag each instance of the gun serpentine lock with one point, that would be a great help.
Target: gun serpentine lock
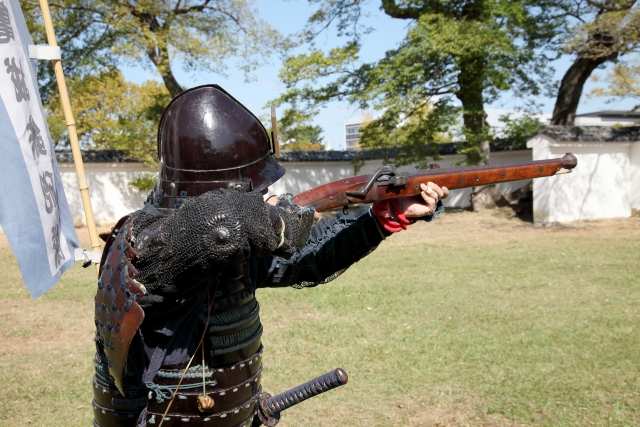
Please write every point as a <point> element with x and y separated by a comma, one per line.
<point>386,183</point>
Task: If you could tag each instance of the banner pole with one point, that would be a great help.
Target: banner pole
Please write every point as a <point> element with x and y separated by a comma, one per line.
<point>71,126</point>
<point>275,138</point>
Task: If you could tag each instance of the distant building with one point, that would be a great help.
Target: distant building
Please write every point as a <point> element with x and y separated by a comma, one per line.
<point>609,118</point>
<point>352,136</point>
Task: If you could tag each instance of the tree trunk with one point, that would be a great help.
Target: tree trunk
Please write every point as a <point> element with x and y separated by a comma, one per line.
<point>159,56</point>
<point>564,112</point>
<point>470,94</point>
<point>170,81</point>
<point>157,46</point>
<point>476,129</point>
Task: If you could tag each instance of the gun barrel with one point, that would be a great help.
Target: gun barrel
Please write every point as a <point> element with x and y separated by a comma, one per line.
<point>389,184</point>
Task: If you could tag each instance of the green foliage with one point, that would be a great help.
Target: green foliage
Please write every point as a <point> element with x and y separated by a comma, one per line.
<point>83,32</point>
<point>517,131</point>
<point>145,182</point>
<point>467,52</point>
<point>601,28</point>
<point>522,128</point>
<point>594,33</point>
<point>622,82</point>
<point>416,135</point>
<point>204,34</point>
<point>297,134</point>
<point>97,36</point>
<point>113,113</point>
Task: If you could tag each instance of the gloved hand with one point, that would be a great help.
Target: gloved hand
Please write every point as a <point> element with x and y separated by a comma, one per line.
<point>278,229</point>
<point>396,214</point>
<point>298,222</point>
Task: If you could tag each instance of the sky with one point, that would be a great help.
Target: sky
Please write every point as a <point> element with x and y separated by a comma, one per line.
<point>288,17</point>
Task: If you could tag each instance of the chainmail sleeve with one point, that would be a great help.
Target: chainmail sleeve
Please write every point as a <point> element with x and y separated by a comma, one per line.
<point>334,244</point>
<point>212,230</point>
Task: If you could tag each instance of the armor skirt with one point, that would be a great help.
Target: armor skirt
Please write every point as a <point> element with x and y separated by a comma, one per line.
<point>173,398</point>
<point>232,393</point>
<point>227,376</point>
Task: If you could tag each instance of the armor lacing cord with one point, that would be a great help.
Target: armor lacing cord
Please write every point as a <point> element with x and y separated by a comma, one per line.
<point>163,393</point>
<point>200,343</point>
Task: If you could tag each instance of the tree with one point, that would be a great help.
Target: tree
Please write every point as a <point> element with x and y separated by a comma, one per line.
<point>597,32</point>
<point>99,35</point>
<point>517,131</point>
<point>416,136</point>
<point>297,134</point>
<point>83,33</point>
<point>467,51</point>
<point>197,34</point>
<point>113,113</point>
<point>623,82</point>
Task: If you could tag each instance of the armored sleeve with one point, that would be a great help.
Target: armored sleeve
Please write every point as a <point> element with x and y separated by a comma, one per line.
<point>211,231</point>
<point>334,244</point>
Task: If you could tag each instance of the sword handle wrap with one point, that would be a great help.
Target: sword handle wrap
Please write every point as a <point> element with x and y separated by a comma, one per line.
<point>273,405</point>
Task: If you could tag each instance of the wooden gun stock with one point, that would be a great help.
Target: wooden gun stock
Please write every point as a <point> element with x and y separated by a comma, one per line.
<point>386,183</point>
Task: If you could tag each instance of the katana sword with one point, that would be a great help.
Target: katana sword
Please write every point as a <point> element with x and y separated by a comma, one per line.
<point>270,407</point>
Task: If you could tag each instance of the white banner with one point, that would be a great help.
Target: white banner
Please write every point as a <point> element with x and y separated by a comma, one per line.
<point>33,208</point>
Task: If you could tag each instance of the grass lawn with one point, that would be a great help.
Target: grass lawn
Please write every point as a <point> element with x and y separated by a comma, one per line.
<point>475,319</point>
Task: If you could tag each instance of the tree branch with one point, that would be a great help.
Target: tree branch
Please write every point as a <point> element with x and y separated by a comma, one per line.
<point>236,20</point>
<point>185,10</point>
<point>145,18</point>
<point>392,9</point>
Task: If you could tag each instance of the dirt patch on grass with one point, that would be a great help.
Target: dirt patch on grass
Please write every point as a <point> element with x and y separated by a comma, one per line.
<point>43,326</point>
<point>500,226</point>
<point>454,415</point>
<point>409,412</point>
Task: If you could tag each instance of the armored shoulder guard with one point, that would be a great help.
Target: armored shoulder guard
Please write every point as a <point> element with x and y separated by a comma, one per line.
<point>117,314</point>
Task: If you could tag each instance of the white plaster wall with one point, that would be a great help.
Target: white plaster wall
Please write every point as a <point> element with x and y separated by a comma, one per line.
<point>605,121</point>
<point>634,176</point>
<point>589,121</point>
<point>598,188</point>
<point>113,196</point>
<point>301,176</point>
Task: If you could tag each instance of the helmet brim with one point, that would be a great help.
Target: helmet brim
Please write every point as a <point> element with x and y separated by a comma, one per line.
<point>264,173</point>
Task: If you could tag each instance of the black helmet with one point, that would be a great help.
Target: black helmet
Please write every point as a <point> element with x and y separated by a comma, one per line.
<point>206,140</point>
